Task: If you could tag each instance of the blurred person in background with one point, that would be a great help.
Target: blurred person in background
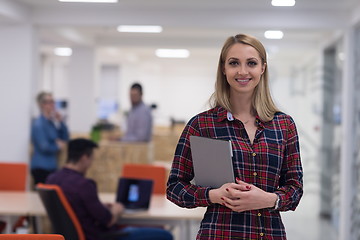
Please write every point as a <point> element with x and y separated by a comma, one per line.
<point>97,219</point>
<point>49,135</point>
<point>139,120</point>
<point>266,153</point>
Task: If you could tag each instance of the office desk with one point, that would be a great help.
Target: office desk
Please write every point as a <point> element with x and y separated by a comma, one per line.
<point>13,203</point>
<point>161,210</point>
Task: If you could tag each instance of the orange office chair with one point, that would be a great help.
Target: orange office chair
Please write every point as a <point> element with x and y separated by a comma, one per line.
<point>31,237</point>
<point>62,216</point>
<point>146,171</point>
<point>13,176</point>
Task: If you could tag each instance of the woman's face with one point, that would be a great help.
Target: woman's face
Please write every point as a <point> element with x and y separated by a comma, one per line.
<point>243,68</point>
<point>47,104</point>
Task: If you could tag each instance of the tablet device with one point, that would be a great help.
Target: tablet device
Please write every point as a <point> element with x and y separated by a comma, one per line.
<point>212,161</point>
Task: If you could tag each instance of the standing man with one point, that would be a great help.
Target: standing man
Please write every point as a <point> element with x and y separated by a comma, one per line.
<point>96,218</point>
<point>139,121</point>
<point>49,135</point>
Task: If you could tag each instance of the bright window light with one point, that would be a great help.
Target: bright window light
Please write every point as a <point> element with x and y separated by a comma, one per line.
<point>341,56</point>
<point>283,3</point>
<point>90,1</point>
<point>172,53</point>
<point>63,51</point>
<point>274,34</point>
<point>140,28</point>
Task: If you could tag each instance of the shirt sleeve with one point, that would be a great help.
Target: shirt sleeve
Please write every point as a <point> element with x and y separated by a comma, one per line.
<point>41,140</point>
<point>63,132</point>
<point>179,188</point>
<point>94,207</point>
<point>290,189</point>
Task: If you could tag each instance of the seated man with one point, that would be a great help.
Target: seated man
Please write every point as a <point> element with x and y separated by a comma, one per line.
<point>96,218</point>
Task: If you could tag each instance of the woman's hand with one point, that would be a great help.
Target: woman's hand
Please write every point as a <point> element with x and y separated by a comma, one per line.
<point>226,191</point>
<point>254,198</point>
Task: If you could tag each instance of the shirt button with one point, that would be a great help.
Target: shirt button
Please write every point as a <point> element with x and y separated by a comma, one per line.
<point>259,214</point>
<point>261,234</point>
<point>254,154</point>
<point>255,174</point>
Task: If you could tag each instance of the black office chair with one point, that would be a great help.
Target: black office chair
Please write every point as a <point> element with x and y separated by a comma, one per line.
<point>62,217</point>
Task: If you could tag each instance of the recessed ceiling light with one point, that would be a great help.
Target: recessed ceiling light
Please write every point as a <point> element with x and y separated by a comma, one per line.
<point>140,28</point>
<point>274,34</point>
<point>63,51</point>
<point>90,1</point>
<point>172,53</point>
<point>283,3</point>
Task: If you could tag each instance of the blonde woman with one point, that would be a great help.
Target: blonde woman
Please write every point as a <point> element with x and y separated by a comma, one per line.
<point>266,156</point>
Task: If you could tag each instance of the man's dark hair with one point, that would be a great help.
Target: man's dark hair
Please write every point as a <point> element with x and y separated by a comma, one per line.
<point>138,87</point>
<point>79,147</point>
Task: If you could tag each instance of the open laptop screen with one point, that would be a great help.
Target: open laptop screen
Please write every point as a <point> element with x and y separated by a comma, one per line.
<point>134,193</point>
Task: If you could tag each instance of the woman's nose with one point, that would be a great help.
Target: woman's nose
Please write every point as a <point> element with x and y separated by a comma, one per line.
<point>242,70</point>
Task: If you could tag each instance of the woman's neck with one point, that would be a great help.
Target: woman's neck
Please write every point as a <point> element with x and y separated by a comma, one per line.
<point>241,105</point>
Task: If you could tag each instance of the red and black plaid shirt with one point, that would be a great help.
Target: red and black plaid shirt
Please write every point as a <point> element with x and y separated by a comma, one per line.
<point>271,163</point>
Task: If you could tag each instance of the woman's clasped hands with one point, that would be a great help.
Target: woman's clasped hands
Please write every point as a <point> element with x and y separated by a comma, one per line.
<point>241,196</point>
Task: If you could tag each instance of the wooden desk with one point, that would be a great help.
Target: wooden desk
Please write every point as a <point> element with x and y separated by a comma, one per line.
<point>161,210</point>
<point>13,203</point>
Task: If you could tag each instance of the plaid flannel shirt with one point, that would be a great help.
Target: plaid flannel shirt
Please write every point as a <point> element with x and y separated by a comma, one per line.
<point>271,163</point>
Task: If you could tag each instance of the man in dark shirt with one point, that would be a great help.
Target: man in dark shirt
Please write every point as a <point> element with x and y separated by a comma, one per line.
<point>96,218</point>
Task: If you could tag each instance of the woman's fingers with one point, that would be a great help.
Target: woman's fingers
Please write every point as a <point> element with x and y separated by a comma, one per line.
<point>233,204</point>
<point>243,184</point>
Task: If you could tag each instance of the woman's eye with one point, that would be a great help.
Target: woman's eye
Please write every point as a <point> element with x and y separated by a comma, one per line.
<point>233,63</point>
<point>252,63</point>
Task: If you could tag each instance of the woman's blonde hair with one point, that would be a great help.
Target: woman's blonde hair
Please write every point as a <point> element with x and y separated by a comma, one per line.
<point>262,102</point>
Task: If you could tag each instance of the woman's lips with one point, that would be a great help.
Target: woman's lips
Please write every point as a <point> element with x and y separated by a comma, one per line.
<point>243,81</point>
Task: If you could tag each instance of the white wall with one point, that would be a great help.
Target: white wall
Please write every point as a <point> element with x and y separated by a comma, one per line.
<point>81,82</point>
<point>18,64</point>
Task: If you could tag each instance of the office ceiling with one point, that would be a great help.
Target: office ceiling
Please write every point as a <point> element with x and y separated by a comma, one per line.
<point>186,23</point>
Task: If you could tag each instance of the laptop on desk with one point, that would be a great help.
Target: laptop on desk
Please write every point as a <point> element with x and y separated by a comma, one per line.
<point>134,194</point>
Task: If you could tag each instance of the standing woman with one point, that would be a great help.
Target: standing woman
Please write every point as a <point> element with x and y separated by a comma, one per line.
<point>266,156</point>
<point>49,135</point>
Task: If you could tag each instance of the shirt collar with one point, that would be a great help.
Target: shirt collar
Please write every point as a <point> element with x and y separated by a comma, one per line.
<point>224,114</point>
<point>221,114</point>
<point>72,170</point>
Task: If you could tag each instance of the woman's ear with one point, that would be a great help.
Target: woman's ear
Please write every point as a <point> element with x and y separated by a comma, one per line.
<point>263,68</point>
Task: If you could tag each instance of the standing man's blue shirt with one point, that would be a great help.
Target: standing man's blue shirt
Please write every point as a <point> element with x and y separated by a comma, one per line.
<point>44,134</point>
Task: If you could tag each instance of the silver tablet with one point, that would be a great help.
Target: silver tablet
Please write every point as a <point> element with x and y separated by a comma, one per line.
<point>212,161</point>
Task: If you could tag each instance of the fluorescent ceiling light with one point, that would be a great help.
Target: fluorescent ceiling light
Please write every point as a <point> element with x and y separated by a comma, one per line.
<point>172,53</point>
<point>90,1</point>
<point>63,51</point>
<point>283,3</point>
<point>274,34</point>
<point>140,28</point>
